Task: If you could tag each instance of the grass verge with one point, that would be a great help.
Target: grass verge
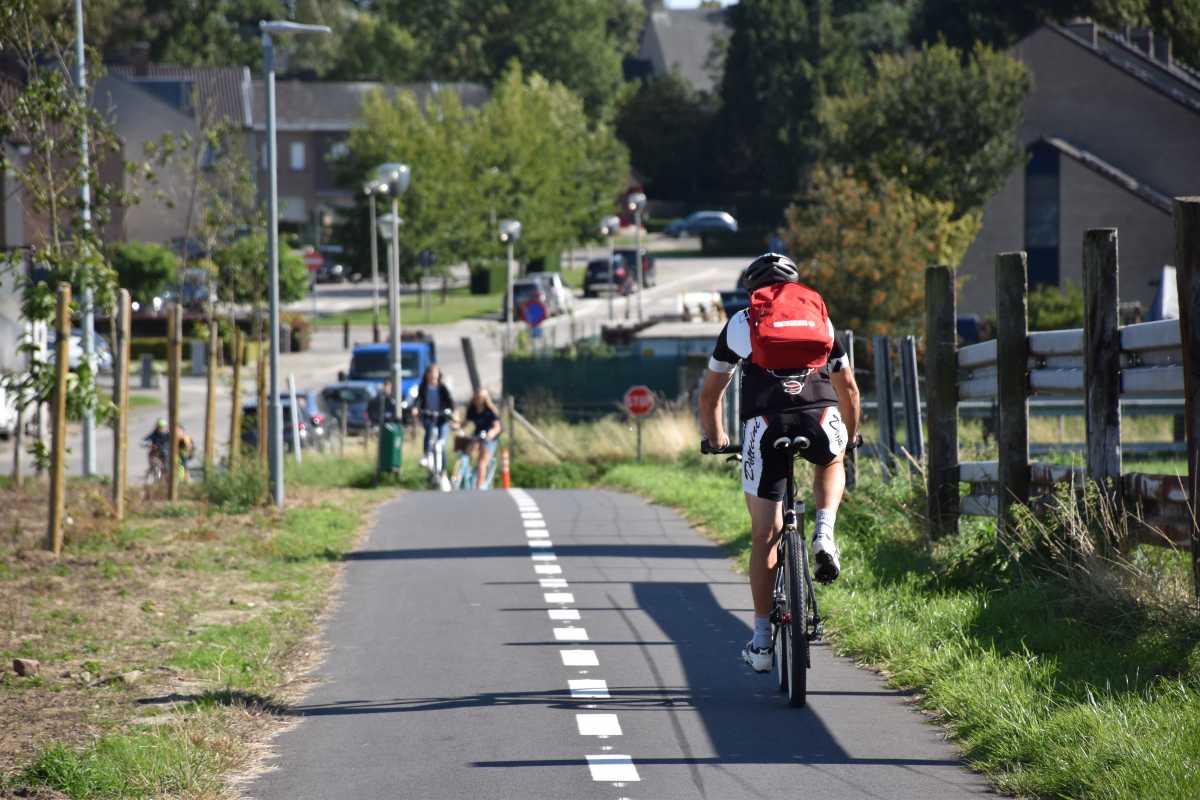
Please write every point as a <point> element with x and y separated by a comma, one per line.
<point>171,642</point>
<point>460,304</point>
<point>1051,687</point>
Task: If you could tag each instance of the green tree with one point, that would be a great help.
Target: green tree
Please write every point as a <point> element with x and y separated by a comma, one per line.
<point>944,125</point>
<point>44,119</point>
<point>867,241</point>
<point>145,269</point>
<point>1053,308</point>
<point>529,153</point>
<point>666,125</point>
<point>242,271</point>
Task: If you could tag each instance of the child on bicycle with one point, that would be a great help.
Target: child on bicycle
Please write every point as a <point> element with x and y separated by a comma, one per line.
<point>435,408</point>
<point>795,382</point>
<point>484,416</point>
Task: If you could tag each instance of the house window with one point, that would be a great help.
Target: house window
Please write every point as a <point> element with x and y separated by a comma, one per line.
<point>1042,214</point>
<point>297,156</point>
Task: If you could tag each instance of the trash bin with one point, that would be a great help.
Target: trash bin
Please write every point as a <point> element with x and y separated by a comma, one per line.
<point>391,443</point>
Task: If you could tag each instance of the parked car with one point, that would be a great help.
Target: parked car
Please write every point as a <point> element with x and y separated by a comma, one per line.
<point>8,414</point>
<point>528,290</point>
<point>356,396</point>
<point>331,272</point>
<point>308,437</point>
<point>702,222</point>
<point>104,357</point>
<point>559,298</point>
<point>649,269</point>
<point>734,301</point>
<point>599,278</point>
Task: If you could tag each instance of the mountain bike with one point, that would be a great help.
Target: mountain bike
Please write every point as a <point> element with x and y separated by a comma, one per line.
<point>795,615</point>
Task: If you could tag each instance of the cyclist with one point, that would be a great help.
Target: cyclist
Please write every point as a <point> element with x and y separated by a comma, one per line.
<point>159,441</point>
<point>795,381</point>
<point>435,408</point>
<point>483,415</point>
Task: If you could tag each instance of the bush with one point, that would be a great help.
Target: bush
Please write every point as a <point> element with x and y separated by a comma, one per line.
<point>143,268</point>
<point>1053,308</point>
<point>235,491</point>
<point>488,278</point>
<point>154,346</point>
<point>750,240</point>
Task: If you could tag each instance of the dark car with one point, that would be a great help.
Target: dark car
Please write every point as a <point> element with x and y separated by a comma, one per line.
<point>702,222</point>
<point>355,396</point>
<point>598,277</point>
<point>250,426</point>
<point>649,270</point>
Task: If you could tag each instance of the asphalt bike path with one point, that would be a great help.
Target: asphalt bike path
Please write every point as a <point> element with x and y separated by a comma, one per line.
<point>577,644</point>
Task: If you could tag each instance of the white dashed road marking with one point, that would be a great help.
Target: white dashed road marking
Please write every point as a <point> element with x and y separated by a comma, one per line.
<point>611,767</point>
<point>579,658</point>
<point>588,688</point>
<point>598,724</point>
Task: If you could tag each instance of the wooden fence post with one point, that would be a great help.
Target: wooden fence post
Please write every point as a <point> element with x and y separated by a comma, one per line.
<point>941,389</point>
<point>235,412</point>
<point>1102,363</point>
<point>851,461</point>
<point>909,380</point>
<point>1187,277</point>
<point>121,352</point>
<point>263,425</point>
<point>1012,383</point>
<point>174,377</point>
<point>883,403</point>
<point>210,401</point>
<point>58,422</point>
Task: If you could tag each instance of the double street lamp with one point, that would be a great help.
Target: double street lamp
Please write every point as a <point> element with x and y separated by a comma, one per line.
<point>395,178</point>
<point>275,415</point>
<point>510,232</point>
<point>636,203</point>
<point>609,226</point>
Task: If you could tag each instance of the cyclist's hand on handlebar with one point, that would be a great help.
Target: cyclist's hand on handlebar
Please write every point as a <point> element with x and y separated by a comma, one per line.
<point>709,448</point>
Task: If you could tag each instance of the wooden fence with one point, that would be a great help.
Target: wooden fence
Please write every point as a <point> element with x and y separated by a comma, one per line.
<point>1103,362</point>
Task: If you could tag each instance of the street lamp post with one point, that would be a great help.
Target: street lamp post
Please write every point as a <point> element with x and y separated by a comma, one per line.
<point>636,202</point>
<point>609,227</point>
<point>370,190</point>
<point>510,232</point>
<point>395,177</point>
<point>85,218</point>
<point>275,414</point>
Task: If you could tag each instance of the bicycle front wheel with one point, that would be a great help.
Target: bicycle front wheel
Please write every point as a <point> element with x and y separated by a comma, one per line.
<point>796,630</point>
<point>781,636</point>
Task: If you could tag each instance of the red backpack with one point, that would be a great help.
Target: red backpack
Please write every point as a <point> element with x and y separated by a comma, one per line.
<point>789,327</point>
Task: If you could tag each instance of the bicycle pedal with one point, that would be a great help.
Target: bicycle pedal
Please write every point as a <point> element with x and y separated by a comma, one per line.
<point>816,635</point>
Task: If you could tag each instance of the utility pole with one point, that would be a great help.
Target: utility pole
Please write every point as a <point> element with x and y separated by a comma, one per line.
<point>85,218</point>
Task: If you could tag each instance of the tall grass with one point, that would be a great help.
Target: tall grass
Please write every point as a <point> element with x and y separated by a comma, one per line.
<point>666,436</point>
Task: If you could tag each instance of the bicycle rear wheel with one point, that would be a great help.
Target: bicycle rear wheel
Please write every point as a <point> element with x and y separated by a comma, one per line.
<point>796,629</point>
<point>781,637</point>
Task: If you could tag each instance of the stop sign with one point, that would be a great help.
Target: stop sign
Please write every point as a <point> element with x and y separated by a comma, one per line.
<point>639,400</point>
<point>313,259</point>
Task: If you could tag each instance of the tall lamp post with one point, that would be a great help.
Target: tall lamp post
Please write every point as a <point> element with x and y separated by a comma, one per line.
<point>636,202</point>
<point>609,227</point>
<point>370,189</point>
<point>395,177</point>
<point>510,231</point>
<point>85,218</point>
<point>275,443</point>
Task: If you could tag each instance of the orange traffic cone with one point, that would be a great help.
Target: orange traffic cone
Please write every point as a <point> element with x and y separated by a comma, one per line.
<point>505,478</point>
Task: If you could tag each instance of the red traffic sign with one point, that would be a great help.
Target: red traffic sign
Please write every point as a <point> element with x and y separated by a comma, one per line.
<point>639,400</point>
<point>534,313</point>
<point>313,259</point>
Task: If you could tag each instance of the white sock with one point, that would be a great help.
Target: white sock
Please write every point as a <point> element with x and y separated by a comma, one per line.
<point>825,519</point>
<point>762,632</point>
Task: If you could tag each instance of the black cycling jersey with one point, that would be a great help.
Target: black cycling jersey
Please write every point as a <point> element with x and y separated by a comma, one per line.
<point>483,419</point>
<point>764,391</point>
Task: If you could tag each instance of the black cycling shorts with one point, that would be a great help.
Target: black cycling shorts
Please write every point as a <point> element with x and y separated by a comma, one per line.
<point>765,468</point>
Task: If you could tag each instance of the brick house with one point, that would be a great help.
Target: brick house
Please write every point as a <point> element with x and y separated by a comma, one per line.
<point>1111,130</point>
